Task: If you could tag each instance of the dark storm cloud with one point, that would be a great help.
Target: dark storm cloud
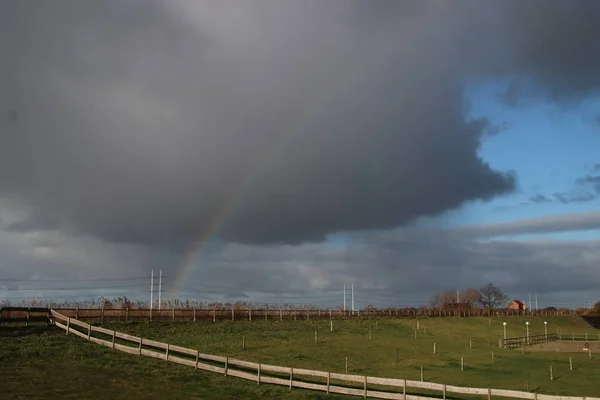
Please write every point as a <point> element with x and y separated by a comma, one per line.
<point>146,121</point>
<point>41,222</point>
<point>550,43</point>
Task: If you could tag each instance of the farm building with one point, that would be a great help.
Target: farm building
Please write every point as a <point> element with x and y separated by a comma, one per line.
<point>517,305</point>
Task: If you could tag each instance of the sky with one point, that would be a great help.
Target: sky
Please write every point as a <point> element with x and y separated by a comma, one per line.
<point>273,152</point>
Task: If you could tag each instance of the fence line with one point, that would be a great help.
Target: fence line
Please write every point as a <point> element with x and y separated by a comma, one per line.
<point>31,314</point>
<point>221,314</point>
<point>579,336</point>
<point>24,314</point>
<point>528,340</point>
<point>283,376</point>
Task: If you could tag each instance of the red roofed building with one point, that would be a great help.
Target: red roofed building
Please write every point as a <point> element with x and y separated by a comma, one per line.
<point>517,305</point>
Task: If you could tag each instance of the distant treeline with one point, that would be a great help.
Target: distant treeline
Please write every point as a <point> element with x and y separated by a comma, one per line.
<point>123,303</point>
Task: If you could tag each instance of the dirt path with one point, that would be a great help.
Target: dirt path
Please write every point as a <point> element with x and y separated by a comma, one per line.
<point>566,346</point>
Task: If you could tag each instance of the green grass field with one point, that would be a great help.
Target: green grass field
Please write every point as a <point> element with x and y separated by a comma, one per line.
<point>39,362</point>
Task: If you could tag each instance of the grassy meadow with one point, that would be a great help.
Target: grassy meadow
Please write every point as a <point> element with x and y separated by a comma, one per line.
<point>44,361</point>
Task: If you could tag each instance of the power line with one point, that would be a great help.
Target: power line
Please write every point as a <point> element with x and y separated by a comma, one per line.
<point>51,298</point>
<point>74,288</point>
<point>73,280</point>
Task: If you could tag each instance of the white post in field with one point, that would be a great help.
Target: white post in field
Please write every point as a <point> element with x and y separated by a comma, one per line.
<point>353,299</point>
<point>151,288</point>
<point>159,288</point>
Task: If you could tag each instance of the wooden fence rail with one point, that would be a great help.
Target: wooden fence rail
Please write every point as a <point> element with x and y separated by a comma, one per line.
<point>348,384</point>
<point>527,340</point>
<point>24,314</point>
<point>579,336</point>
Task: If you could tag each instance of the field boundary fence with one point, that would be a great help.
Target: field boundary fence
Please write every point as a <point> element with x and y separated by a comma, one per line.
<point>20,314</point>
<point>527,340</point>
<point>24,314</point>
<point>324,381</point>
<point>581,337</point>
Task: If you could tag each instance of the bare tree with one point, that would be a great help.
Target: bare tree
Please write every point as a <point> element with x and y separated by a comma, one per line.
<point>442,298</point>
<point>470,297</point>
<point>491,296</point>
<point>467,296</point>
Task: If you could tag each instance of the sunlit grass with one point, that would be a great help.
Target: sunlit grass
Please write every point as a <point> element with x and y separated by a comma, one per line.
<point>40,362</point>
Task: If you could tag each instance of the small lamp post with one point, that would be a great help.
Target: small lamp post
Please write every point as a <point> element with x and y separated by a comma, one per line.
<point>527,325</point>
<point>546,329</point>
<point>504,324</point>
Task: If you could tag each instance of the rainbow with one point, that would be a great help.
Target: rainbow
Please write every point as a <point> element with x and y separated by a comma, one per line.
<point>343,84</point>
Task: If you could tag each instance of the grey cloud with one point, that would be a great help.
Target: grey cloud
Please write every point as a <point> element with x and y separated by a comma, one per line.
<point>513,94</point>
<point>156,121</point>
<point>147,126</point>
<point>586,189</point>
<point>387,268</point>
<point>592,181</point>
<point>549,43</point>
<point>397,268</point>
<point>540,198</point>
<point>496,129</point>
<point>34,223</point>
<point>575,197</point>
<point>550,224</point>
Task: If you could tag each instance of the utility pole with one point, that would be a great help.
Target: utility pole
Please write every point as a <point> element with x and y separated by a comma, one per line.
<point>457,296</point>
<point>353,299</point>
<point>151,288</point>
<point>159,288</point>
<point>530,303</point>
<point>344,297</point>
<point>536,302</point>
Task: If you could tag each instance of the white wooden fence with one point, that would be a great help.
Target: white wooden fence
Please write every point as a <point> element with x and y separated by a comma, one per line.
<point>579,337</point>
<point>284,376</point>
